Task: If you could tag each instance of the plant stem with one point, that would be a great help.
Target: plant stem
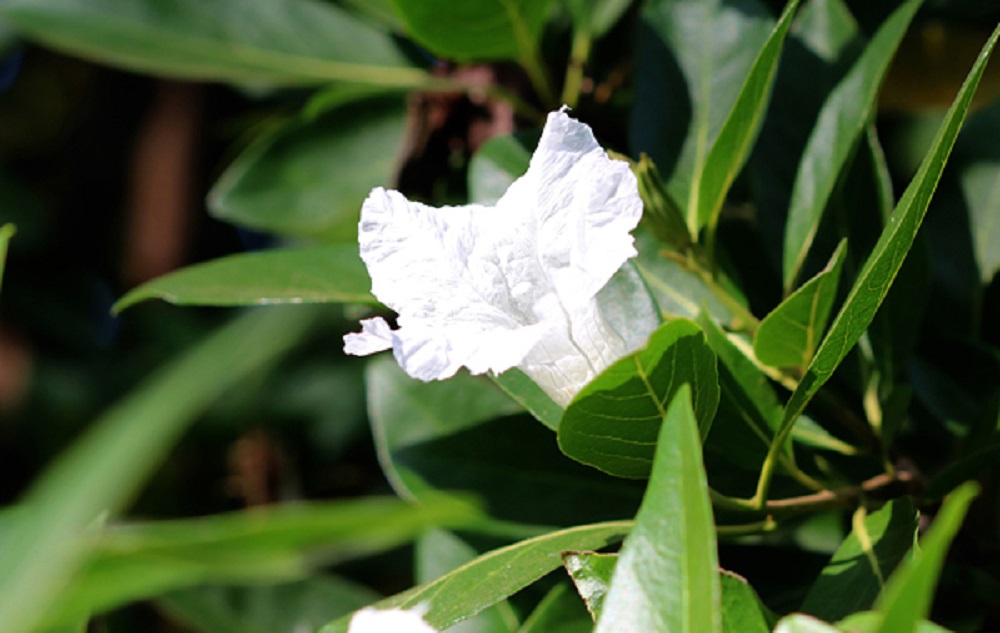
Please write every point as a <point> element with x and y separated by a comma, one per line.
<point>582,41</point>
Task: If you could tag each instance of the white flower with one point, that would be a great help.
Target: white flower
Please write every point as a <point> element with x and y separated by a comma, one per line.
<point>513,285</point>
<point>371,620</point>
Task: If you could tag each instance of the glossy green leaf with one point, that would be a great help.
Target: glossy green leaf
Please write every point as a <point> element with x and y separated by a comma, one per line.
<point>749,411</point>
<point>102,471</point>
<point>789,334</point>
<point>613,423</point>
<point>131,562</point>
<point>264,41</point>
<point>591,573</point>
<point>857,572</point>
<point>6,232</point>
<point>839,127</point>
<point>560,611</point>
<point>868,622</point>
<point>907,597</point>
<point>496,575</point>
<point>302,605</point>
<point>439,552</point>
<point>692,58</point>
<point>476,29</point>
<point>300,275</point>
<point>463,434</point>
<point>309,178</point>
<point>876,276</point>
<point>742,610</point>
<point>737,134</point>
<point>666,579</point>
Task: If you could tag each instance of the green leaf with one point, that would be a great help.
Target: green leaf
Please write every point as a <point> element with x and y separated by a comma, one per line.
<point>887,257</point>
<point>309,178</point>
<point>742,610</point>
<point>692,57</point>
<point>439,552</point>
<point>661,213</point>
<point>596,16</point>
<point>529,395</point>
<point>463,435</point>
<point>679,292</point>
<point>106,467</point>
<point>736,137</point>
<point>857,572</point>
<point>613,423</point>
<point>591,573</point>
<point>666,579</point>
<point>749,411</point>
<point>303,605</point>
<point>868,622</point>
<point>560,611</point>
<point>496,575</point>
<point>979,177</point>
<point>300,275</point>
<point>788,336</point>
<point>6,232</point>
<point>131,562</point>
<point>497,164</point>
<point>907,597</point>
<point>262,41</point>
<point>841,123</point>
<point>476,29</point>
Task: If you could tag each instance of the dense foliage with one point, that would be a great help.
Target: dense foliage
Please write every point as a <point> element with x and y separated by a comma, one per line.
<point>807,441</point>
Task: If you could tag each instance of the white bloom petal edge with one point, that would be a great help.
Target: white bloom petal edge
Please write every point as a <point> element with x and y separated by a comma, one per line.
<point>490,288</point>
<point>371,620</point>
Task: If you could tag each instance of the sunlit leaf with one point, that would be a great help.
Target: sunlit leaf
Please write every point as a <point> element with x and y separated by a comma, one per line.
<point>666,578</point>
<point>269,41</point>
<point>300,275</point>
<point>614,422</point>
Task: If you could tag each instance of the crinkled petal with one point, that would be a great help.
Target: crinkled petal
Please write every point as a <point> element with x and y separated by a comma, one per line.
<point>491,288</point>
<point>371,620</point>
<point>579,206</point>
<point>375,336</point>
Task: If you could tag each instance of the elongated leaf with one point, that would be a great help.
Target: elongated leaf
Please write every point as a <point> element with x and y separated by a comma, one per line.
<point>560,611</point>
<point>273,41</point>
<point>661,213</point>
<point>463,435</point>
<point>476,29</point>
<point>439,552</point>
<point>6,232</point>
<point>980,180</point>
<point>105,468</point>
<point>857,572</point>
<point>841,123</point>
<point>596,16</point>
<point>742,610</point>
<point>799,623</point>
<point>139,561</point>
<point>303,605</point>
<point>692,57</point>
<point>300,275</point>
<point>309,178</point>
<point>666,579</point>
<point>788,336</point>
<point>887,257</point>
<point>530,396</point>
<point>496,575</point>
<point>499,162</point>
<point>736,137</point>
<point>613,423</point>
<point>869,621</point>
<point>907,598</point>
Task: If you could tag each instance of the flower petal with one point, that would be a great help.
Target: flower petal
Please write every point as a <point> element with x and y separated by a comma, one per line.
<point>375,336</point>
<point>371,620</point>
